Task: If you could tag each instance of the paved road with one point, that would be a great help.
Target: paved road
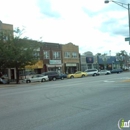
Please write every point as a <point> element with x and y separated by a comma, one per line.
<point>90,103</point>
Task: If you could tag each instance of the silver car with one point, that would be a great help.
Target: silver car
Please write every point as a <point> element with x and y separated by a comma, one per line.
<point>92,72</point>
<point>104,72</point>
<point>36,78</point>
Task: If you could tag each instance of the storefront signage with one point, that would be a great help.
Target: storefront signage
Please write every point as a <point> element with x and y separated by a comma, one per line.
<point>54,62</point>
<point>89,59</point>
<point>70,64</point>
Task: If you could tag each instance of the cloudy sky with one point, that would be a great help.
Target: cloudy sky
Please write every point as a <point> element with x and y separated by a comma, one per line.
<point>90,24</point>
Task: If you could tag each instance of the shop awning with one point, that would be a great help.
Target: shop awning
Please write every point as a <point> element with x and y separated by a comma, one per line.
<point>38,65</point>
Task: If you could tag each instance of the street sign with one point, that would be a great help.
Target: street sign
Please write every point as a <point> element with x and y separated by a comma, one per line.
<point>127,39</point>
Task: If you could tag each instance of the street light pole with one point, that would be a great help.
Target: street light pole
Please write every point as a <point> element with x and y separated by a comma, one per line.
<point>129,20</point>
<point>126,6</point>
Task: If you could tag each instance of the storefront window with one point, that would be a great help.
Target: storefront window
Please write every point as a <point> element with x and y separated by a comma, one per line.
<point>67,54</point>
<point>74,55</point>
<point>46,54</point>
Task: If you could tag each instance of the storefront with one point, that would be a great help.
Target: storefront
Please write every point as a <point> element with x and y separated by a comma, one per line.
<point>34,68</point>
<point>54,65</point>
<point>71,67</point>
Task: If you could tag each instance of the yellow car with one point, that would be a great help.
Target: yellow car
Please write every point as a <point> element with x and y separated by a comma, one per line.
<point>78,74</point>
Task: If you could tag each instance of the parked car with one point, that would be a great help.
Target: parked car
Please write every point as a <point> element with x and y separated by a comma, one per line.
<point>36,78</point>
<point>116,71</point>
<point>104,72</point>
<point>52,75</point>
<point>62,76</point>
<point>92,72</point>
<point>4,80</point>
<point>78,74</point>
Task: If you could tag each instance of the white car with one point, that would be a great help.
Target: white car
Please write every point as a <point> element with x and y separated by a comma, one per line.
<point>104,72</point>
<point>36,78</point>
<point>92,72</point>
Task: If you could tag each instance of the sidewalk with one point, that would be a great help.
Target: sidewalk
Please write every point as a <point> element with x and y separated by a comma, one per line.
<point>12,84</point>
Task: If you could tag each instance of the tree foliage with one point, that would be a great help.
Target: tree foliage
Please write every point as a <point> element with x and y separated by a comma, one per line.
<point>17,52</point>
<point>122,56</point>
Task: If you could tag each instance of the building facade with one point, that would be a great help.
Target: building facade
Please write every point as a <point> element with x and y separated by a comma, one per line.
<point>100,62</point>
<point>70,58</point>
<point>88,61</point>
<point>6,31</point>
<point>51,53</point>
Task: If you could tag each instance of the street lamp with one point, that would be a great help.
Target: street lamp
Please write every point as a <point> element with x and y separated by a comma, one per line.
<point>126,6</point>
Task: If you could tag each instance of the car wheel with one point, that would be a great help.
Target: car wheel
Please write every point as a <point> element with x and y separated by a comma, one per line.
<point>72,77</point>
<point>83,75</point>
<point>54,78</point>
<point>28,81</point>
<point>62,78</point>
<point>1,82</point>
<point>43,80</point>
<point>94,74</point>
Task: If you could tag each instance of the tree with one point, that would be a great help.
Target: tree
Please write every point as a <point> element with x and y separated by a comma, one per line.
<point>98,54</point>
<point>122,57</point>
<point>18,52</point>
<point>104,57</point>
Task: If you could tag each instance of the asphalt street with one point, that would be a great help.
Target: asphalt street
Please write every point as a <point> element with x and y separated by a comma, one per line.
<point>90,103</point>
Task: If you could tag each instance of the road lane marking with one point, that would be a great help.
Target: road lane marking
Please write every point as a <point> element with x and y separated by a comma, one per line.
<point>108,81</point>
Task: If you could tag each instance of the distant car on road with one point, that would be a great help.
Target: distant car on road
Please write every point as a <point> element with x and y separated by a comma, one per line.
<point>104,72</point>
<point>52,75</point>
<point>36,78</point>
<point>78,74</point>
<point>92,72</point>
<point>116,71</point>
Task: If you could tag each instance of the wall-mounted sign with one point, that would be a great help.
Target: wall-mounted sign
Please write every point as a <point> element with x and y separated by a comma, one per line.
<point>89,59</point>
<point>54,62</point>
<point>73,64</point>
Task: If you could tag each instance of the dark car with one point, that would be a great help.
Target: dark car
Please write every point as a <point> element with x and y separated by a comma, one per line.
<point>62,76</point>
<point>52,75</point>
<point>116,71</point>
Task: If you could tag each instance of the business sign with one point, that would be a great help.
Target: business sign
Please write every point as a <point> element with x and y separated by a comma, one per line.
<point>55,62</point>
<point>89,59</point>
<point>73,64</point>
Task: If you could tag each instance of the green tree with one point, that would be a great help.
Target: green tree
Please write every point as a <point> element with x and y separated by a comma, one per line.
<point>18,52</point>
<point>104,57</point>
<point>122,57</point>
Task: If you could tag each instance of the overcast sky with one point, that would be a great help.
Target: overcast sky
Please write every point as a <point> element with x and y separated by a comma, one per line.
<point>90,24</point>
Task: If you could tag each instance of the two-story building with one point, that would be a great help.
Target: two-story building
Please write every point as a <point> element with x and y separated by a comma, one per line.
<point>6,33</point>
<point>6,30</point>
<point>70,58</point>
<point>52,56</point>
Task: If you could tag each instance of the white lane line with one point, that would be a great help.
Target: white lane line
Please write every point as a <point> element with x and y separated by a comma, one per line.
<point>108,81</point>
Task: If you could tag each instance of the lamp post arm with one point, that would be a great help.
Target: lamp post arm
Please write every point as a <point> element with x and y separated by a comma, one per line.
<point>121,4</point>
